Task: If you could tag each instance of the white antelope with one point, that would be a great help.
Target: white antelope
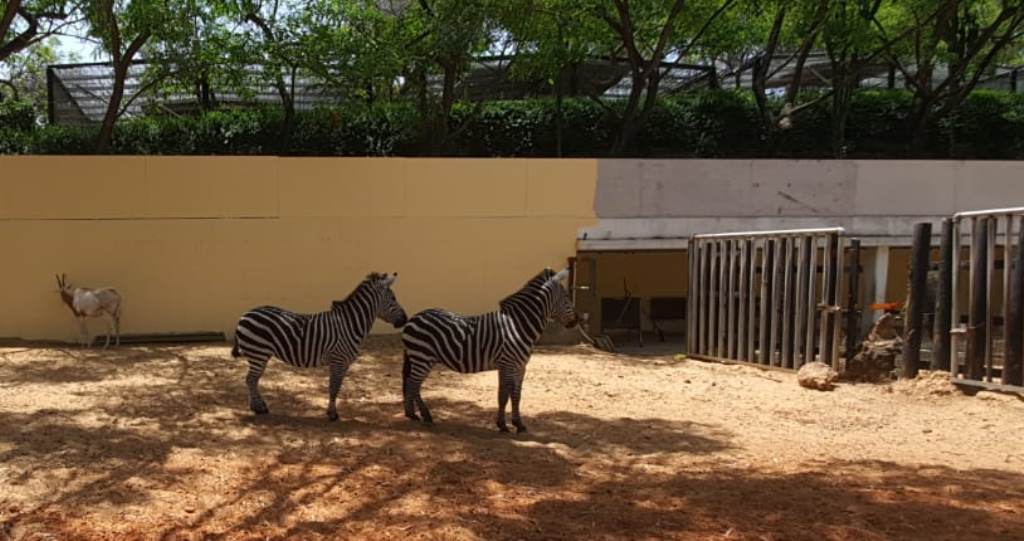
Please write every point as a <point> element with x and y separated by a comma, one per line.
<point>86,302</point>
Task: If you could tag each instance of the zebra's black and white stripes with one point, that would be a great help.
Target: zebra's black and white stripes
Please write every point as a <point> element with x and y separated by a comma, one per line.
<point>308,340</point>
<point>501,340</point>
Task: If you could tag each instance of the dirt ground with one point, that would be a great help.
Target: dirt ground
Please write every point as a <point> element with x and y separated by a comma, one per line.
<point>158,443</point>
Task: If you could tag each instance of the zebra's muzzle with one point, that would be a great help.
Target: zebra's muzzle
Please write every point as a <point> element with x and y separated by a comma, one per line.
<point>400,322</point>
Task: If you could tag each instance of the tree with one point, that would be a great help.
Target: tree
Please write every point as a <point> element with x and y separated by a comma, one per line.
<point>124,27</point>
<point>24,23</point>
<point>967,37</point>
<point>23,75</point>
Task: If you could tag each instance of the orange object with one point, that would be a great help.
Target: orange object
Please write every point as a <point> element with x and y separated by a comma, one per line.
<point>887,306</point>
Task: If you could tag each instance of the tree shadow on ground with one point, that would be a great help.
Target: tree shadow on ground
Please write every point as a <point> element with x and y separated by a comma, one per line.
<point>185,429</point>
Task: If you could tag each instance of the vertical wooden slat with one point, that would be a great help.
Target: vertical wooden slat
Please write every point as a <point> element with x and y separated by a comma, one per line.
<point>731,300</point>
<point>1013,365</point>
<point>826,297</point>
<point>990,270</point>
<point>751,300</point>
<point>837,293</point>
<point>976,330</point>
<point>787,304</point>
<point>766,273</point>
<point>919,264</point>
<point>741,290</point>
<point>774,316</point>
<point>943,298</point>
<point>812,283</point>
<point>800,323</point>
<point>955,336</point>
<point>853,316</point>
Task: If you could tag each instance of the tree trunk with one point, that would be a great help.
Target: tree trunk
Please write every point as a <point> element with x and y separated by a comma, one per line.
<point>106,134</point>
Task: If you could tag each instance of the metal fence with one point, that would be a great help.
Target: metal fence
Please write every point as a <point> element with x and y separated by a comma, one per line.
<point>771,297</point>
<point>990,336</point>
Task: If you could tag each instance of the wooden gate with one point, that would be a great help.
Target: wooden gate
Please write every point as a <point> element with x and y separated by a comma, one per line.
<point>991,334</point>
<point>772,297</point>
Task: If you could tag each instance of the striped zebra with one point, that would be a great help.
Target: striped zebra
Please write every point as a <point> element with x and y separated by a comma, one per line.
<point>308,340</point>
<point>500,340</point>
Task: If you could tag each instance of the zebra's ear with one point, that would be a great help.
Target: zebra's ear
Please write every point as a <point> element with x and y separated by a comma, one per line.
<point>561,275</point>
<point>390,280</point>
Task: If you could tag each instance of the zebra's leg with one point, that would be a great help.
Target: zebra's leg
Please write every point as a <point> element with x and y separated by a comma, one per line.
<point>252,381</point>
<point>506,382</point>
<point>338,370</point>
<point>117,329</point>
<point>517,391</point>
<point>413,375</point>
<point>110,330</point>
<point>408,395</point>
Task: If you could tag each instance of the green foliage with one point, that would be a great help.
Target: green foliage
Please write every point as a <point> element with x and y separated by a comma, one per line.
<point>17,115</point>
<point>721,124</point>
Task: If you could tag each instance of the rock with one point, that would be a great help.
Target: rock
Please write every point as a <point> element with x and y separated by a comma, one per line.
<point>879,354</point>
<point>818,376</point>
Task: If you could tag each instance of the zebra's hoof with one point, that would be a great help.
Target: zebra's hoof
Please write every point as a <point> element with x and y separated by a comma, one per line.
<point>332,416</point>
<point>428,419</point>
<point>502,427</point>
<point>412,416</point>
<point>520,429</point>
<point>260,409</point>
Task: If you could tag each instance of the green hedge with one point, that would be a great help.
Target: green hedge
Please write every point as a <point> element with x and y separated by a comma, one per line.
<point>700,124</point>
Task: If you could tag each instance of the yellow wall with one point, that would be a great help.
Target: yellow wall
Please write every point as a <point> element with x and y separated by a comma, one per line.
<point>192,242</point>
<point>649,274</point>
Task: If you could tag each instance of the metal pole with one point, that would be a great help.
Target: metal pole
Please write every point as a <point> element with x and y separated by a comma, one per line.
<point>853,301</point>
<point>943,298</point>
<point>1007,247</point>
<point>713,300</point>
<point>1013,365</point>
<point>691,298</point>
<point>918,292</point>
<point>979,301</point>
<point>723,271</point>
<point>701,296</point>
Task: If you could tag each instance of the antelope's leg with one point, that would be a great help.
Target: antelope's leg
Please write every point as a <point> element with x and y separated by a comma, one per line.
<point>84,331</point>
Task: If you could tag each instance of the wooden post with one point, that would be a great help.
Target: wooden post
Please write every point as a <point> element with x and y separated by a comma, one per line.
<point>943,299</point>
<point>852,298</point>
<point>918,293</point>
<point>1013,366</point>
<point>976,331</point>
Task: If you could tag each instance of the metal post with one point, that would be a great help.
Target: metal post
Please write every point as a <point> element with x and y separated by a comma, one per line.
<point>800,323</point>
<point>1013,365</point>
<point>691,295</point>
<point>1007,247</point>
<point>943,297</point>
<point>976,329</point>
<point>723,271</point>
<point>853,301</point>
<point>918,292</point>
<point>713,300</point>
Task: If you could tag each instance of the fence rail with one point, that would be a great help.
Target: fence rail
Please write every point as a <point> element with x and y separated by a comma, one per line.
<point>769,297</point>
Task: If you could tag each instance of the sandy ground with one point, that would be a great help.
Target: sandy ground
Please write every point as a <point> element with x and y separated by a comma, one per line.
<point>157,443</point>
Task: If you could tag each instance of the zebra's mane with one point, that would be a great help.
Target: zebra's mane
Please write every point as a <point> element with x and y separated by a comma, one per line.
<point>366,283</point>
<point>532,288</point>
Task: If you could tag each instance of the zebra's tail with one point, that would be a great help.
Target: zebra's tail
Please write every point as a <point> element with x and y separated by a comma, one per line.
<point>234,350</point>
<point>406,368</point>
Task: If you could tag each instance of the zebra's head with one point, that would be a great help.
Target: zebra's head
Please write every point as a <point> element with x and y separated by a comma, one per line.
<point>560,305</point>
<point>388,308</point>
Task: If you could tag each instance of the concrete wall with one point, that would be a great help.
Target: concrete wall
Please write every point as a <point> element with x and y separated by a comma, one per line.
<point>191,242</point>
<point>877,200</point>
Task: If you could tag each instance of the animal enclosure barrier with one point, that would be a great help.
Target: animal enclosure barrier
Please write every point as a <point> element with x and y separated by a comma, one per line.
<point>772,297</point>
<point>991,334</point>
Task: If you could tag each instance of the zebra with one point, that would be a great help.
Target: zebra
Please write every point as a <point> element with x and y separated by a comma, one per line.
<point>308,340</point>
<point>500,340</point>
